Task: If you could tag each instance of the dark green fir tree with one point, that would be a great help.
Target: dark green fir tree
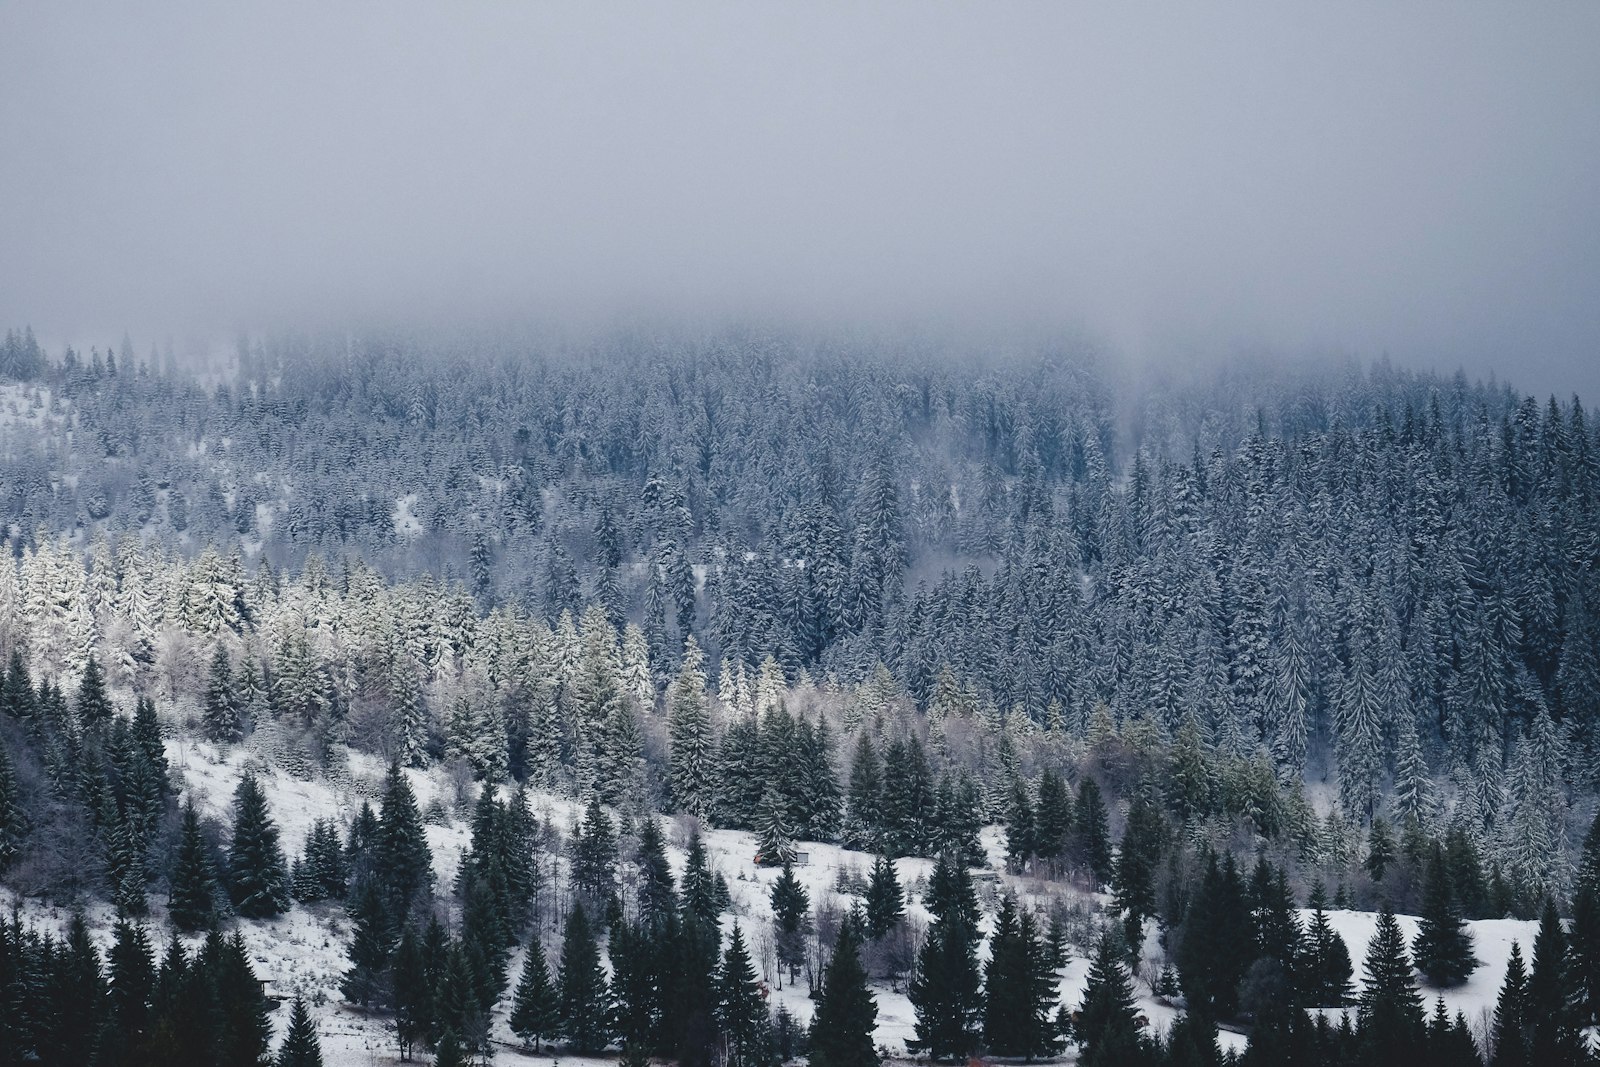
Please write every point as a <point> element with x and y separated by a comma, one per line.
<point>1443,948</point>
<point>846,1012</point>
<point>300,1046</point>
<point>258,877</point>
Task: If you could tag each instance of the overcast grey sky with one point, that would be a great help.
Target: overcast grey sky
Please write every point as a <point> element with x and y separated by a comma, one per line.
<point>1173,178</point>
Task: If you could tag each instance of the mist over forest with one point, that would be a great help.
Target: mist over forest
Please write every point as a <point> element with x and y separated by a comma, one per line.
<point>736,536</point>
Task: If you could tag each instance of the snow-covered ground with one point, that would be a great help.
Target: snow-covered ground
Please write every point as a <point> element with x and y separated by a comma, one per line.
<point>1491,940</point>
<point>303,951</point>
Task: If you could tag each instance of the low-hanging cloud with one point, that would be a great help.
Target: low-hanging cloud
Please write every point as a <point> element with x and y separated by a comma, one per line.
<point>1172,178</point>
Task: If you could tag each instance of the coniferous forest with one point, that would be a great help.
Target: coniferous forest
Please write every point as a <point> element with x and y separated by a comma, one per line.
<point>799,534</point>
<point>1155,681</point>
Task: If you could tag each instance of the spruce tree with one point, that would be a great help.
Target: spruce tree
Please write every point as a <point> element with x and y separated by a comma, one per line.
<point>93,704</point>
<point>300,1046</point>
<point>1555,1034</point>
<point>193,901</point>
<point>774,835</point>
<point>1391,1010</point>
<point>371,942</point>
<point>583,1001</point>
<point>1020,830</point>
<point>449,1053</point>
<point>221,709</point>
<point>1380,848</point>
<point>1192,1042</point>
<point>657,895</point>
<point>147,736</point>
<point>1513,1016</point>
<point>400,859</point>
<point>885,901</point>
<point>1091,843</point>
<point>741,1009</point>
<point>790,908</point>
<point>1584,935</point>
<point>864,799</point>
<point>12,824</point>
<point>244,1031</point>
<point>1449,1043</point>
<point>258,878</point>
<point>1443,948</point>
<point>693,747</point>
<point>533,1006</point>
<point>132,978</point>
<point>1018,992</point>
<point>1212,957</point>
<point>594,857</point>
<point>944,989</point>
<point>1107,1027</point>
<point>699,886</point>
<point>1325,970</point>
<point>1133,888</point>
<point>1053,819</point>
<point>412,991</point>
<point>846,1013</point>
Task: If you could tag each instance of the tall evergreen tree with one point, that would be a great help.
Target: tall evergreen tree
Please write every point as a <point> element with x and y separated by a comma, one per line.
<point>258,877</point>
<point>1443,947</point>
<point>1391,1010</point>
<point>944,988</point>
<point>131,977</point>
<point>583,999</point>
<point>1107,1026</point>
<point>1584,935</point>
<point>741,1008</point>
<point>885,901</point>
<point>300,1046</point>
<point>594,856</point>
<point>693,746</point>
<point>413,992</point>
<point>1554,1032</point>
<point>1019,993</point>
<point>533,1006</point>
<point>371,942</point>
<point>94,703</point>
<point>1133,888</point>
<point>193,903</point>
<point>12,821</point>
<point>791,906</point>
<point>699,886</point>
<point>847,1013</point>
<point>774,834</point>
<point>864,800</point>
<point>1325,969</point>
<point>1512,1033</point>
<point>221,710</point>
<point>1090,847</point>
<point>401,862</point>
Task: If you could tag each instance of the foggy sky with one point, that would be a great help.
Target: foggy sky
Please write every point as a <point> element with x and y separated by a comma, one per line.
<point>1176,180</point>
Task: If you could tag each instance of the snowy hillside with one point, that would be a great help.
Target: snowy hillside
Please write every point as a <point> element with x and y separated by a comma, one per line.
<point>303,952</point>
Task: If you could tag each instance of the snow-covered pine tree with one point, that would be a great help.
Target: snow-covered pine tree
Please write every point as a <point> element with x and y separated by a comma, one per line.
<point>221,715</point>
<point>774,837</point>
<point>408,714</point>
